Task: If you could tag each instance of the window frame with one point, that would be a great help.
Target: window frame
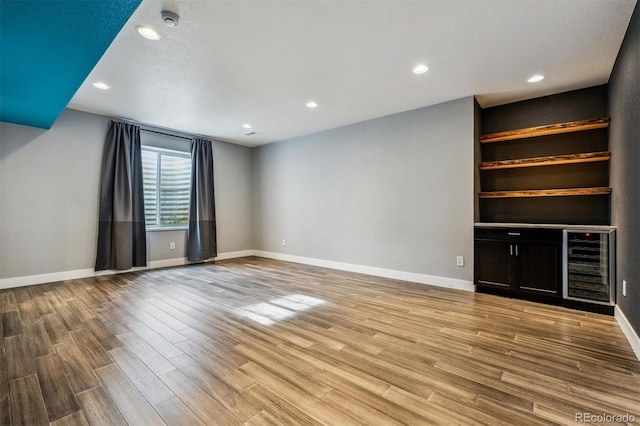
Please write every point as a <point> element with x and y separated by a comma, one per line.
<point>172,153</point>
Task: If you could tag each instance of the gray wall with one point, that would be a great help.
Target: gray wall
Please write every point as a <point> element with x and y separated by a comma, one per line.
<point>624,140</point>
<point>49,197</point>
<point>395,192</point>
<point>232,176</point>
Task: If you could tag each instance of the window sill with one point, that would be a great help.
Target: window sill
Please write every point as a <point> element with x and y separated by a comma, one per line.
<point>168,228</point>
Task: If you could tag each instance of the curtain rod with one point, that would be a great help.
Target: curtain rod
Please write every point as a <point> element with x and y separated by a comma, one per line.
<point>143,127</point>
<point>165,134</point>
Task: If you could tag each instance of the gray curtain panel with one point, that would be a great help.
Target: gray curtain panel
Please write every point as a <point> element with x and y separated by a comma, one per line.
<point>201,238</point>
<point>121,229</point>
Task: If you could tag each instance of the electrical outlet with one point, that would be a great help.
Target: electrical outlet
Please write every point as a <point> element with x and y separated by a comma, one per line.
<point>284,243</point>
<point>460,261</point>
<point>172,245</point>
<point>624,288</point>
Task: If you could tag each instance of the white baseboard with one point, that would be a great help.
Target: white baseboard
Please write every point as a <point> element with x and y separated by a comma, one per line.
<point>45,278</point>
<point>370,270</point>
<point>164,263</point>
<point>155,264</point>
<point>87,273</point>
<point>234,254</point>
<point>628,331</point>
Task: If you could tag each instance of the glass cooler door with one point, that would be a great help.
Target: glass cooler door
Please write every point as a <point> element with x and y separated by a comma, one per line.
<point>589,266</point>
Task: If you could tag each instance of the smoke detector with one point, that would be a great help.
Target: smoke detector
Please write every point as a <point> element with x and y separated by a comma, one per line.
<point>170,19</point>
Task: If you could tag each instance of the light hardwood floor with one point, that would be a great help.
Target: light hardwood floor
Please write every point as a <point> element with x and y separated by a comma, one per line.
<point>263,342</point>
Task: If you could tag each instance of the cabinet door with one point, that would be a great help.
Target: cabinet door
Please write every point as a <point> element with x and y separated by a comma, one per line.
<point>539,268</point>
<point>492,265</point>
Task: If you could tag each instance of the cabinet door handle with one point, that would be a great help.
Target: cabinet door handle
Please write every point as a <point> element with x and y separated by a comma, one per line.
<point>510,250</point>
<point>513,233</point>
<point>516,249</point>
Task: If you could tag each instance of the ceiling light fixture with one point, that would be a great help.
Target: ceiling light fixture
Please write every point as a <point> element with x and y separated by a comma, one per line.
<point>100,85</point>
<point>148,32</point>
<point>311,104</point>
<point>420,69</point>
<point>536,78</point>
<point>246,125</point>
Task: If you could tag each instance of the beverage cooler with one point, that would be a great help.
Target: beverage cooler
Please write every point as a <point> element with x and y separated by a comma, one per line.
<point>589,266</point>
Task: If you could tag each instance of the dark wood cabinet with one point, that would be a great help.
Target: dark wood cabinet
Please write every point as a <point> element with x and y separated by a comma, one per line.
<point>493,264</point>
<point>539,267</point>
<point>519,261</point>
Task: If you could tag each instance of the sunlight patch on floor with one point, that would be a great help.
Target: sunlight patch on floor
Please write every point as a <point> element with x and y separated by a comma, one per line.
<point>268,313</point>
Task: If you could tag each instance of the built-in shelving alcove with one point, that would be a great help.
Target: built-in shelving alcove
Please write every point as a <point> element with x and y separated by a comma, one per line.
<point>546,160</point>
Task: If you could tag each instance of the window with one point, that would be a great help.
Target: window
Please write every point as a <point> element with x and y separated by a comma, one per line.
<point>166,175</point>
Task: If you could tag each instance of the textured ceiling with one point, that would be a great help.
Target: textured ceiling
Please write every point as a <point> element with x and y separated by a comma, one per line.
<point>259,62</point>
<point>47,49</point>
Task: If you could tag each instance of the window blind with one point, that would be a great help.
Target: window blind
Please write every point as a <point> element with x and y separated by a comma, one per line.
<point>166,176</point>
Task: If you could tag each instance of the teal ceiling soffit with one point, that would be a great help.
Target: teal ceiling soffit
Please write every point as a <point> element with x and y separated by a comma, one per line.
<point>47,49</point>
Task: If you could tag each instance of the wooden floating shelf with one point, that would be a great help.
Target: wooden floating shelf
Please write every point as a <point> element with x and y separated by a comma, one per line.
<point>545,193</point>
<point>588,157</point>
<point>552,129</point>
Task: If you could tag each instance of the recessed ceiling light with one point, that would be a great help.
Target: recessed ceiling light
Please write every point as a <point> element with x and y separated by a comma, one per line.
<point>246,125</point>
<point>536,78</point>
<point>100,85</point>
<point>311,104</point>
<point>420,69</point>
<point>148,32</point>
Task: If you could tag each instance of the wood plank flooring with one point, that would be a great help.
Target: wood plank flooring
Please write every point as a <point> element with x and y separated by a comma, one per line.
<point>262,342</point>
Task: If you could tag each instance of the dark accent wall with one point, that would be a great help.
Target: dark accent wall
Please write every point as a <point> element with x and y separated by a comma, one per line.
<point>477,157</point>
<point>583,104</point>
<point>576,105</point>
<point>624,139</point>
